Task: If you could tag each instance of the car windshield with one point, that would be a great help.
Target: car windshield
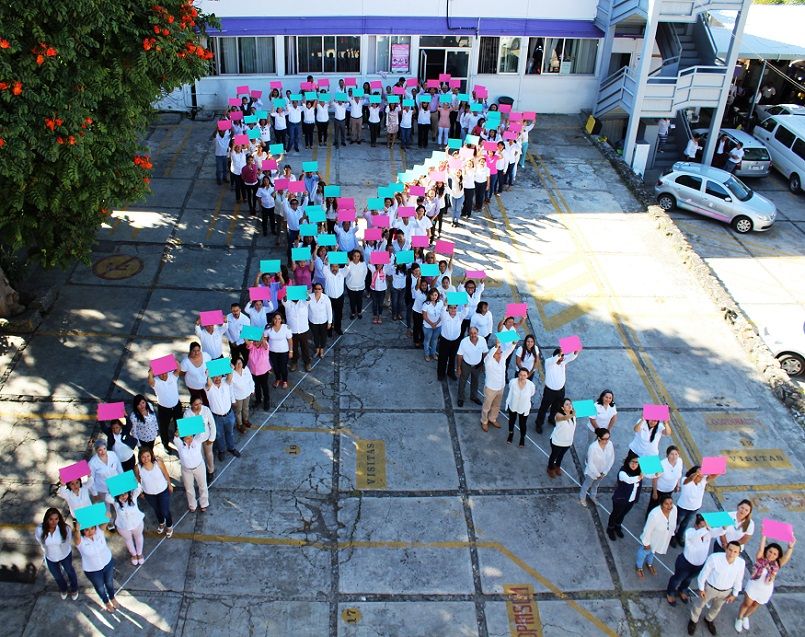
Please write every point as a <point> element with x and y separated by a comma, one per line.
<point>738,188</point>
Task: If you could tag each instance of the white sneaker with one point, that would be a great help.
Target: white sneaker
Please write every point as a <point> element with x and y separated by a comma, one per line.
<point>583,502</point>
<point>746,623</point>
<point>739,625</point>
<point>74,596</point>
<point>64,594</point>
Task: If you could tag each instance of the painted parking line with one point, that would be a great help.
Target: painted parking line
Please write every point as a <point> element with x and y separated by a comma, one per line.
<point>178,152</point>
<point>215,214</point>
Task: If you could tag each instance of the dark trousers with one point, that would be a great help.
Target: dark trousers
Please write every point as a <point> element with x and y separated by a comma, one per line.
<point>397,302</point>
<point>509,181</point>
<point>684,516</point>
<point>374,133</point>
<point>128,465</point>
<point>684,572</point>
<point>281,136</point>
<point>161,504</point>
<point>480,191</point>
<point>301,344</point>
<point>522,418</point>
<point>455,129</point>
<point>493,185</point>
<point>557,453</point>
<point>251,196</point>
<point>447,357</point>
<point>423,130</point>
<point>268,216</point>
<point>261,390</point>
<point>319,333</point>
<point>419,331</point>
<point>240,189</point>
<point>355,302</point>
<point>307,130</point>
<point>321,129</point>
<point>654,502</point>
<point>471,373</point>
<point>103,581</point>
<point>377,302</point>
<point>65,565</point>
<point>240,351</point>
<point>405,137</point>
<point>338,312</point>
<point>339,132</point>
<point>293,136</point>
<point>619,510</point>
<point>279,363</point>
<point>469,196</point>
<point>551,399</point>
<point>164,417</point>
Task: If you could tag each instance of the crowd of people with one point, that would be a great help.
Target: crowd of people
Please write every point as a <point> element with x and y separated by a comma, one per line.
<point>390,255</point>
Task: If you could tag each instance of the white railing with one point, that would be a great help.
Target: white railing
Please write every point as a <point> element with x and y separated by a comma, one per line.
<point>695,86</point>
<point>617,91</point>
<point>670,9</point>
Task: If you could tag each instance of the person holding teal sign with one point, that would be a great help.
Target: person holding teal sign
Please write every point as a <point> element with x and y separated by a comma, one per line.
<point>157,487</point>
<point>562,437</point>
<point>129,521</point>
<point>668,481</point>
<point>194,475</point>
<point>219,397</point>
<point>691,495</point>
<point>600,458</point>
<point>97,563</point>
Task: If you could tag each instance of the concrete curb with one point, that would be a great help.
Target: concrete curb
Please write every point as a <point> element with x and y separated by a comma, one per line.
<point>766,364</point>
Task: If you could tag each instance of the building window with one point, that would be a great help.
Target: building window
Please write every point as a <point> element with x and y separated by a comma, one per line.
<point>445,41</point>
<point>499,55</point>
<point>564,56</point>
<point>322,54</point>
<point>392,54</point>
<point>238,56</point>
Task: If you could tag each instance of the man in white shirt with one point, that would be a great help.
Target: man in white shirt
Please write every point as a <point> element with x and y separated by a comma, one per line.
<point>663,129</point>
<point>339,123</point>
<point>334,289</point>
<point>735,158</point>
<point>692,148</point>
<point>169,407</point>
<point>423,123</point>
<point>210,337</point>
<point>259,312</point>
<point>294,125</point>
<point>235,321</point>
<point>449,339</point>
<point>219,395</point>
<point>469,360</point>
<point>553,394</point>
<point>355,119</point>
<point>720,581</point>
<point>345,233</point>
<point>494,384</point>
<point>698,540</point>
<point>296,316</point>
<point>221,155</point>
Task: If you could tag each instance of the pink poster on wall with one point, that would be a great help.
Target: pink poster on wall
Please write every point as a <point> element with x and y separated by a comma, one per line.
<point>400,55</point>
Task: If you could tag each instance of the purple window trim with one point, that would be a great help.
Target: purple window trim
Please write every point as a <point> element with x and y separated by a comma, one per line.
<point>395,25</point>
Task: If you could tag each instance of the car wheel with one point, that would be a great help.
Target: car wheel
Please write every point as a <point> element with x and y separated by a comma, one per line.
<point>792,364</point>
<point>666,201</point>
<point>742,224</point>
<point>794,183</point>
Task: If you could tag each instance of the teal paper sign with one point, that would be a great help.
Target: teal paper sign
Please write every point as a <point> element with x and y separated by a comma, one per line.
<point>332,191</point>
<point>250,119</point>
<point>310,166</point>
<point>121,483</point>
<point>296,97</point>
<point>508,336</point>
<point>326,240</point>
<point>404,257</point>
<point>190,426</point>
<point>457,298</point>
<point>491,124</point>
<point>476,108</point>
<point>301,254</point>
<point>337,258</point>
<point>279,102</point>
<point>261,114</point>
<point>453,143</point>
<point>716,519</point>
<point>584,408</point>
<point>649,465</point>
<point>314,213</point>
<point>397,187</point>
<point>297,292</point>
<point>375,203</point>
<point>385,192</point>
<point>253,133</point>
<point>308,230</point>
<point>357,92</point>
<point>219,367</point>
<point>251,333</point>
<point>270,266</point>
<point>472,140</point>
<point>463,97</point>
<point>311,96</point>
<point>341,97</point>
<point>445,98</point>
<point>429,269</point>
<point>276,149</point>
<point>393,99</point>
<point>408,102</point>
<point>375,99</point>
<point>93,515</point>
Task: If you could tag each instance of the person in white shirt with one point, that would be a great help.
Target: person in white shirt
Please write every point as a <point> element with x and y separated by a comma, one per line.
<point>606,414</point>
<point>242,391</point>
<point>97,563</point>
<point>720,581</point>
<point>211,339</point>
<point>104,464</point>
<point>379,280</point>
<point>518,403</point>
<point>469,362</point>
<point>193,474</point>
<point>735,158</point>
<point>668,482</point>
<point>689,563</point>
<point>355,118</point>
<point>346,235</point>
<point>600,458</point>
<point>692,148</point>
<point>375,111</point>
<point>120,440</point>
<point>494,383</point>
<point>280,349</point>
<point>265,193</point>
<point>280,121</point>
<point>483,321</point>
<point>334,277</point>
<point>55,539</point>
<point>320,318</point>
<point>169,407</point>
<point>308,122</point>
<point>656,536</point>
<point>647,437</point>
<point>222,140</point>
<point>294,126</point>
<point>193,369</point>
<point>297,316</point>
<point>691,494</point>
<point>663,129</point>
<point>449,340</point>
<point>553,394</point>
<point>423,123</point>
<point>741,530</point>
<point>235,321</point>
<point>259,312</point>
<point>76,494</point>
<point>356,282</point>
<point>561,437</point>
<point>626,495</point>
<point>153,476</point>
<point>527,354</point>
<point>322,118</point>
<point>237,162</point>
<point>219,397</point>
<point>339,123</point>
<point>432,323</point>
<point>129,522</point>
<point>406,125</point>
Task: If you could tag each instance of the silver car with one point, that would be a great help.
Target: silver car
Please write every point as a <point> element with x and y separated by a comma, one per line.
<point>756,161</point>
<point>764,111</point>
<point>714,193</point>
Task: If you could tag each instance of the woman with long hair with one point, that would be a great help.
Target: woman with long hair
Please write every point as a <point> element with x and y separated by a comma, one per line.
<point>129,521</point>
<point>156,484</point>
<point>691,494</point>
<point>741,531</point>
<point>193,369</point>
<point>280,349</point>
<point>656,536</point>
<point>606,414</point>
<point>626,495</point>
<point>561,437</point>
<point>600,458</point>
<point>144,422</point>
<point>56,540</point>
<point>518,403</point>
<point>647,436</point>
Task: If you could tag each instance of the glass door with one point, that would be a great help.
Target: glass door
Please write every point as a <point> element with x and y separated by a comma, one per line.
<point>455,61</point>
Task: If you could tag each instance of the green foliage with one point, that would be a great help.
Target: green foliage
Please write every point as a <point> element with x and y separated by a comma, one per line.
<point>778,1</point>
<point>77,80</point>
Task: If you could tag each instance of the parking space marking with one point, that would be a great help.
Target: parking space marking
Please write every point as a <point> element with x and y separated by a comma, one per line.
<point>178,152</point>
<point>215,214</point>
<point>233,223</point>
<point>522,609</point>
<point>370,464</point>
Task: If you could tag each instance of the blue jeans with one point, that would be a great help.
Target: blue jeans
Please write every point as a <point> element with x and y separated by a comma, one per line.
<point>431,339</point>
<point>103,581</point>
<point>55,569</point>
<point>684,572</point>
<point>457,204</point>
<point>294,134</point>
<point>220,169</point>
<point>523,157</point>
<point>684,518</point>
<point>405,137</point>
<point>161,504</point>
<point>644,556</point>
<point>225,436</point>
<point>397,302</point>
<point>493,186</point>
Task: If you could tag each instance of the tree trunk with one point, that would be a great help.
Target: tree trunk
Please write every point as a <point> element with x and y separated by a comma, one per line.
<point>9,299</point>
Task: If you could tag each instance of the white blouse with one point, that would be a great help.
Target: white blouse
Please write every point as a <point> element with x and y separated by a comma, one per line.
<point>54,547</point>
<point>242,384</point>
<point>599,461</point>
<point>691,495</point>
<point>562,435</point>
<point>736,531</point>
<point>483,323</point>
<point>278,339</point>
<point>195,377</point>
<point>127,515</point>
<point>603,416</point>
<point>518,399</point>
<point>95,554</point>
<point>670,476</point>
<point>434,312</point>
<point>76,501</point>
<point>153,480</point>
<point>101,471</point>
<point>642,444</point>
<point>658,530</point>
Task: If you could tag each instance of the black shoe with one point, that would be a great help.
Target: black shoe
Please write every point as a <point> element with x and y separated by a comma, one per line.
<point>476,400</point>
<point>673,542</point>
<point>539,429</point>
<point>710,626</point>
<point>266,406</point>
<point>220,456</point>
<point>619,532</point>
<point>522,442</point>
<point>691,627</point>
<point>509,438</point>
<point>235,453</point>
<point>611,535</point>
<point>460,402</point>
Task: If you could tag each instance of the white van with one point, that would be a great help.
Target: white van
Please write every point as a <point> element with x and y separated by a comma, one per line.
<point>784,137</point>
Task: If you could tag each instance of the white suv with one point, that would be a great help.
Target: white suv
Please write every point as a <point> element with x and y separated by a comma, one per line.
<point>714,193</point>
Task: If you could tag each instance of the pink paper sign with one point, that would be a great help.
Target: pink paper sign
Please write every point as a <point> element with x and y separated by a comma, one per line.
<point>372,234</point>
<point>224,124</point>
<point>350,81</point>
<point>256,94</point>
<point>346,214</point>
<point>445,247</point>
<point>509,135</point>
<point>259,294</point>
<point>270,164</point>
<point>490,146</point>
<point>236,116</point>
<point>417,191</point>
<point>516,309</point>
<point>437,175</point>
<point>515,127</point>
<point>307,86</point>
<point>74,471</point>
<point>505,108</point>
<point>211,317</point>
<point>281,184</point>
<point>380,221</point>
<point>454,163</point>
<point>432,84</point>
<point>380,257</point>
<point>241,140</point>
<point>529,115</point>
<point>111,411</point>
<point>455,83</point>
<point>714,465</point>
<point>515,117</point>
<point>775,530</point>
<point>405,211</point>
<point>242,90</point>
<point>444,77</point>
<point>656,412</point>
<point>481,92</point>
<point>475,274</point>
<point>375,84</point>
<point>466,153</point>
<point>275,84</point>
<point>346,202</point>
<point>397,90</point>
<point>233,101</point>
<point>420,241</point>
<point>324,83</point>
<point>570,344</point>
<point>164,364</point>
<point>296,186</point>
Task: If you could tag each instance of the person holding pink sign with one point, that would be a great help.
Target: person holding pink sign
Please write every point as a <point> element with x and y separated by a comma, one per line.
<point>193,369</point>
<point>211,337</point>
<point>380,276</point>
<point>518,402</point>
<point>120,440</point>
<point>237,162</point>
<point>561,437</point>
<point>647,437</point>
<point>691,495</point>
<point>55,539</point>
<point>76,494</point>
<point>760,586</point>
<point>104,464</point>
<point>222,140</point>
<point>169,407</point>
<point>553,393</point>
